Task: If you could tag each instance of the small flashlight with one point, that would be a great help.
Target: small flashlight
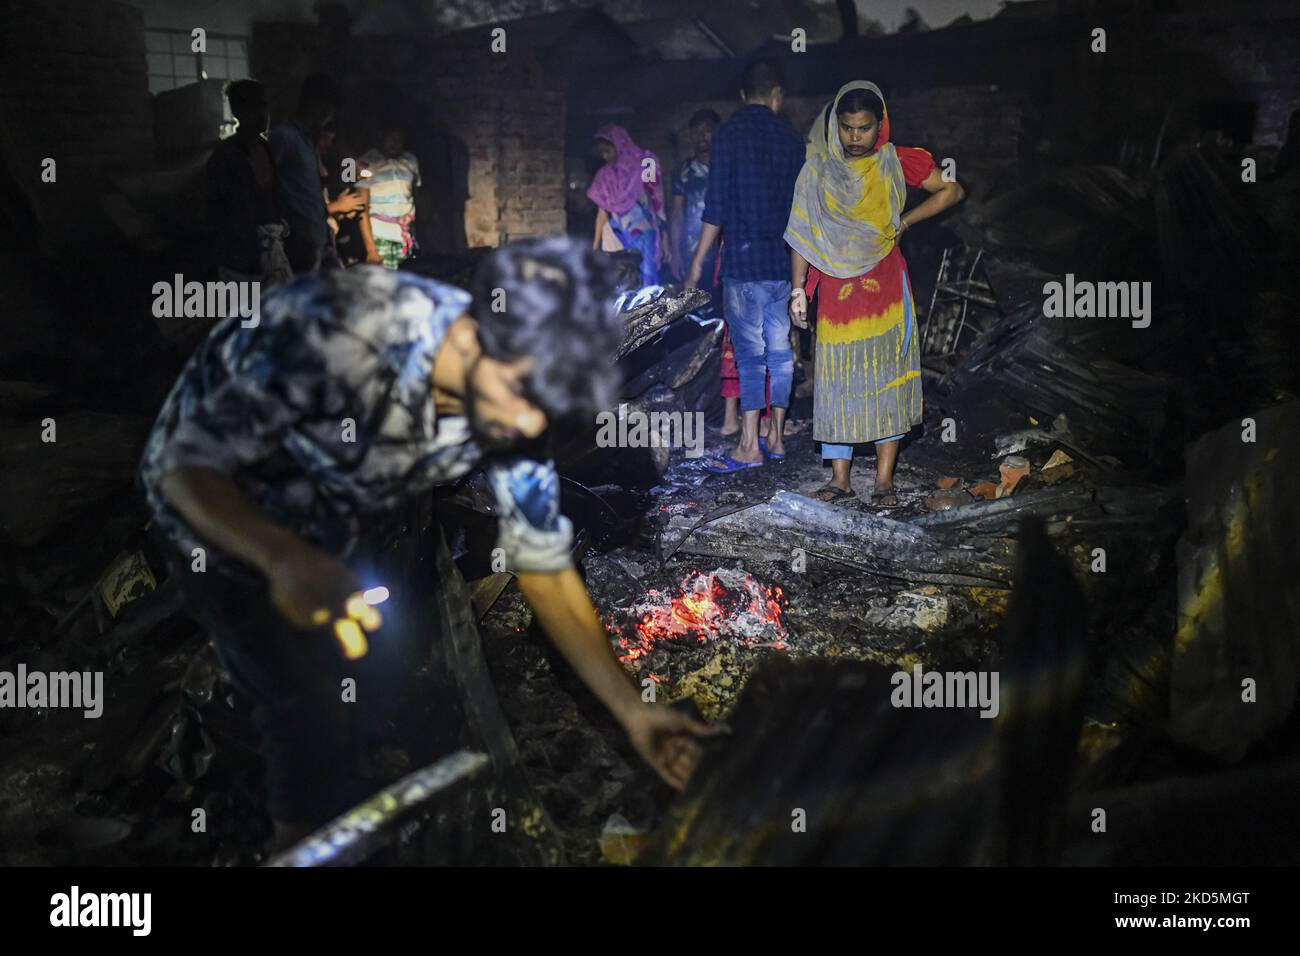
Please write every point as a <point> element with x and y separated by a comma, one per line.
<point>361,617</point>
<point>350,637</point>
<point>361,612</point>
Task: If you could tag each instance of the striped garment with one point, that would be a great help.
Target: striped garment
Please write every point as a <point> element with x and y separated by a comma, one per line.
<point>868,364</point>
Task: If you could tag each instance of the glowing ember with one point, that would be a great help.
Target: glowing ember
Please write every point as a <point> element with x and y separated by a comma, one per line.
<point>726,603</point>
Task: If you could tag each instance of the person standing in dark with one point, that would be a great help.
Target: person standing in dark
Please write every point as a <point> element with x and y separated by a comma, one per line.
<point>753,165</point>
<point>394,176</point>
<point>241,187</point>
<point>298,193</point>
<point>352,240</point>
<point>690,184</point>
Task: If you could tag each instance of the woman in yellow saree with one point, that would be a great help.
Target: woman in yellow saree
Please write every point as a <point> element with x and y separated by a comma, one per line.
<point>843,235</point>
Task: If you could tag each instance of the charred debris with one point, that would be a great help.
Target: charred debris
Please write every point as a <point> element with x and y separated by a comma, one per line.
<point>1081,512</point>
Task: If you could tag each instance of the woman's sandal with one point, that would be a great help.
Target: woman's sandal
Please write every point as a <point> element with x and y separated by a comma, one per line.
<point>762,446</point>
<point>877,499</point>
<point>726,465</point>
<point>831,494</point>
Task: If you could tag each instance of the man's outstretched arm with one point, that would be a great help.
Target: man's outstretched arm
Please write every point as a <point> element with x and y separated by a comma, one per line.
<point>664,738</point>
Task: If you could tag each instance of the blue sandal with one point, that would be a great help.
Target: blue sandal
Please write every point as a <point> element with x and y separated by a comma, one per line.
<point>730,465</point>
<point>762,446</point>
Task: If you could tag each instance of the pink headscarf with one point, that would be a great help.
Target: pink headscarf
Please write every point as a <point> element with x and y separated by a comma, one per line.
<point>617,186</point>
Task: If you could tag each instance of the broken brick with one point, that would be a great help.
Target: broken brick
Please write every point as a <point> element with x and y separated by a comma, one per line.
<point>1012,470</point>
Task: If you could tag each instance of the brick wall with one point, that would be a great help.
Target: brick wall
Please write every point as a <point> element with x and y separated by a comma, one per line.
<point>73,87</point>
<point>979,126</point>
<point>510,114</point>
<point>1258,58</point>
<point>502,114</point>
<point>1011,98</point>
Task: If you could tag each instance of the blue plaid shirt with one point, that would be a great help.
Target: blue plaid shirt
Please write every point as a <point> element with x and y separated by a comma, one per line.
<point>755,160</point>
<point>324,411</point>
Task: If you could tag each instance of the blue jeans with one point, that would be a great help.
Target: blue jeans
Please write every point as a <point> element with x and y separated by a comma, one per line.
<point>760,335</point>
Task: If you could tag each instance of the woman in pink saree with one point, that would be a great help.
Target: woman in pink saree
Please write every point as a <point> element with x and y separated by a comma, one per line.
<point>629,194</point>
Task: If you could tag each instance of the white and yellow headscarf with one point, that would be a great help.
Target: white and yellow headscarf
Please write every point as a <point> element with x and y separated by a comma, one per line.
<point>846,209</point>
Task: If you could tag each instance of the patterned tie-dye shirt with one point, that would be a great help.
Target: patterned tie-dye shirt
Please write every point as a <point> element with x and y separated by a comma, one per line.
<point>323,411</point>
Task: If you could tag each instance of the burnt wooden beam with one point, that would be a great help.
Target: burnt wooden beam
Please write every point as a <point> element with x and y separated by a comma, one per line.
<point>641,323</point>
<point>486,724</point>
<point>485,592</point>
<point>992,517</point>
<point>371,825</point>
<point>884,546</point>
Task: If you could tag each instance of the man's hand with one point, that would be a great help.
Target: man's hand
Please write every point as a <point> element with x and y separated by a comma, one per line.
<point>799,308</point>
<point>665,248</point>
<point>348,202</point>
<point>693,275</point>
<point>309,587</point>
<point>373,258</point>
<point>709,234</point>
<point>665,739</point>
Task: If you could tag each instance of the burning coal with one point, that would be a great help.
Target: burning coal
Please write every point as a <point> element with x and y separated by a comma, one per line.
<point>723,604</point>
